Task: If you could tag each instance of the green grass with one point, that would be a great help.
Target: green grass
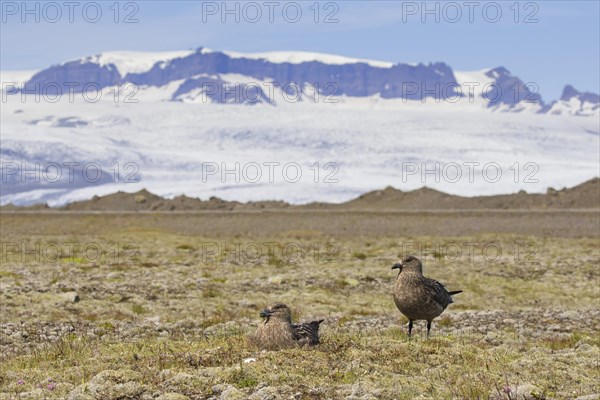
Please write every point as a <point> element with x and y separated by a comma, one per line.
<point>359,256</point>
<point>138,309</point>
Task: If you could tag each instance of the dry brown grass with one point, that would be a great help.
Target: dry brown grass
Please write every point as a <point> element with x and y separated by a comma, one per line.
<point>165,304</point>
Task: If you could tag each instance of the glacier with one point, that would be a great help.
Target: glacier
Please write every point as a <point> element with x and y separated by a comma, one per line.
<point>302,147</point>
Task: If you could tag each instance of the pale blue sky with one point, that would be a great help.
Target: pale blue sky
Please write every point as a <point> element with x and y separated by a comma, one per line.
<point>562,47</point>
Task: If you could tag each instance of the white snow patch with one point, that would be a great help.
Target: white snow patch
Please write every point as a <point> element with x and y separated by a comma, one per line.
<point>17,78</point>
<point>298,57</point>
<point>134,61</point>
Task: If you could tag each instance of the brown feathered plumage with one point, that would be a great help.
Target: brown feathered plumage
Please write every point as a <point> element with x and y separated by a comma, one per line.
<point>418,297</point>
<point>277,331</point>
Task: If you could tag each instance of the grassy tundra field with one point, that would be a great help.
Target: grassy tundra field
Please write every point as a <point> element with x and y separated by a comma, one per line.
<point>158,305</point>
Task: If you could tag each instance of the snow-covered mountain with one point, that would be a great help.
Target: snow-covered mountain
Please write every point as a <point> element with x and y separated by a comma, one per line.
<point>216,75</point>
<point>174,123</point>
<point>574,102</point>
